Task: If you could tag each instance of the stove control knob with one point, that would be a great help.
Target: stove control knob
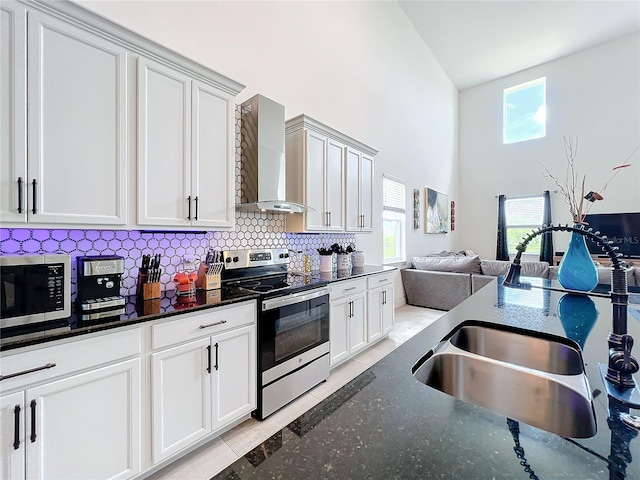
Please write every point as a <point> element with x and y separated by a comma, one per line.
<point>228,260</point>
<point>235,259</point>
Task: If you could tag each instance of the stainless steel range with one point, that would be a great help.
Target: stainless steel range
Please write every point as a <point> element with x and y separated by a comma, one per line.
<point>293,324</point>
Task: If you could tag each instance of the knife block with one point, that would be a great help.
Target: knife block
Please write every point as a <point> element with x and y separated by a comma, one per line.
<point>150,291</point>
<point>147,291</point>
<point>209,281</point>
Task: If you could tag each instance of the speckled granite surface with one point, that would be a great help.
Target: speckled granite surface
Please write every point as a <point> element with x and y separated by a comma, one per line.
<point>387,425</point>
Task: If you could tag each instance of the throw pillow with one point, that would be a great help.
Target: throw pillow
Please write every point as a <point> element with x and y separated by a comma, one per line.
<point>448,264</point>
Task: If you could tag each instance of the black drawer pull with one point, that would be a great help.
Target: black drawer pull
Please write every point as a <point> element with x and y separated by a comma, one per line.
<point>24,372</point>
<point>33,421</point>
<point>34,183</point>
<point>208,358</point>
<point>212,324</point>
<point>19,194</point>
<point>16,427</point>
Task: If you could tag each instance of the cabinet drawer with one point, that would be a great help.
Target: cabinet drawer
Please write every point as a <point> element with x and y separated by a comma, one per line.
<point>348,287</point>
<point>68,357</point>
<point>381,280</point>
<point>189,327</point>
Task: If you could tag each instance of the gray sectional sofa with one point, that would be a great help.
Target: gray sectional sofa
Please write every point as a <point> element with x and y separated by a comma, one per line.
<point>444,280</point>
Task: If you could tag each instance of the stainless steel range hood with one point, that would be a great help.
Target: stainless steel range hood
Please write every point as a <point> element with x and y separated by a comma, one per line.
<point>263,172</point>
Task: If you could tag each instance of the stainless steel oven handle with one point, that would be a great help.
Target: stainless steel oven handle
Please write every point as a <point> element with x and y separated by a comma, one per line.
<point>278,302</point>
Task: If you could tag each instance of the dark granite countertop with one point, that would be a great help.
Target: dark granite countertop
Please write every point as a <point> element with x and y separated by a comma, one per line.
<point>387,425</point>
<point>168,305</point>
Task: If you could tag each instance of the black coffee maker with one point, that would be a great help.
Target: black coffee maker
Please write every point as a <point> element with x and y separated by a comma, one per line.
<point>99,279</point>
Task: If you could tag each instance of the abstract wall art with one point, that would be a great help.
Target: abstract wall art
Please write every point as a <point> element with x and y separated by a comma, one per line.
<point>436,211</point>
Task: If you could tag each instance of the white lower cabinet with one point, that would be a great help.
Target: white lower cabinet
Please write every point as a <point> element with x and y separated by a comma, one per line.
<point>201,386</point>
<point>78,425</point>
<point>380,305</point>
<point>348,327</point>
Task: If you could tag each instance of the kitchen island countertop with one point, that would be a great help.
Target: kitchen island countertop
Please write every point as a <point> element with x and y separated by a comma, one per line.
<point>387,425</point>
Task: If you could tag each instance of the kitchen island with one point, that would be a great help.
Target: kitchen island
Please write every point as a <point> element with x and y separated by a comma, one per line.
<point>385,424</point>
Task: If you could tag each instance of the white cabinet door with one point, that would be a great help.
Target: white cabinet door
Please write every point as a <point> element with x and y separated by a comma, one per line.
<point>388,312</point>
<point>366,193</point>
<point>234,375</point>
<point>334,185</point>
<point>374,314</point>
<point>12,436</point>
<point>77,97</point>
<point>164,146</point>
<point>13,114</point>
<point>339,330</point>
<point>87,425</point>
<point>213,157</point>
<point>316,148</point>
<point>359,201</point>
<point>357,324</point>
<point>352,201</point>
<point>181,397</point>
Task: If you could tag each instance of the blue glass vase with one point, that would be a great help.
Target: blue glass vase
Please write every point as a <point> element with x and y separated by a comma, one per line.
<point>577,315</point>
<point>577,270</point>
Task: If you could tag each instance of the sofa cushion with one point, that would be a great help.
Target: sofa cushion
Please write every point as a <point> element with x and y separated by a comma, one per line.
<point>448,264</point>
<point>495,267</point>
<point>528,269</point>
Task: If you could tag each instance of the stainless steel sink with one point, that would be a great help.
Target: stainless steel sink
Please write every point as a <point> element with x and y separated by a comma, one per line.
<point>476,364</point>
<point>540,353</point>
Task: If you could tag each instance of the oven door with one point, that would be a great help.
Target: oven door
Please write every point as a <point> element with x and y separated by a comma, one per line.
<point>291,325</point>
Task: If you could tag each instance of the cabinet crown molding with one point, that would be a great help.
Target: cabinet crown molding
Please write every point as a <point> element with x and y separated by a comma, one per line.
<point>134,42</point>
<point>304,121</point>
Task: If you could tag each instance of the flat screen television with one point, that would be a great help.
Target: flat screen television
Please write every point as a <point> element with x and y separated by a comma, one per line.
<point>623,229</point>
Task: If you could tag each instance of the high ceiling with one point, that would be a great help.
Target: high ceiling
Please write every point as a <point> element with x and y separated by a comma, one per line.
<point>479,41</point>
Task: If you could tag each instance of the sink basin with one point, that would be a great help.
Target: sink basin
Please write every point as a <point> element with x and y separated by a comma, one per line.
<point>478,364</point>
<point>545,353</point>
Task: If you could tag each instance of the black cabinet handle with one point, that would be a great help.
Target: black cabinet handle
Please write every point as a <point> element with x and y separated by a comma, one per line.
<point>33,421</point>
<point>196,217</point>
<point>208,358</point>
<point>329,219</point>
<point>189,204</point>
<point>384,297</point>
<point>24,372</point>
<point>216,365</point>
<point>16,427</point>
<point>34,183</point>
<point>19,194</point>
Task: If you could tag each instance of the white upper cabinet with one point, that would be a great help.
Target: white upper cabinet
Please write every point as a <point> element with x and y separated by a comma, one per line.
<point>73,170</point>
<point>64,160</point>
<point>359,197</point>
<point>77,155</point>
<point>13,114</point>
<point>185,150</point>
<point>164,146</point>
<point>330,172</point>
<point>213,156</point>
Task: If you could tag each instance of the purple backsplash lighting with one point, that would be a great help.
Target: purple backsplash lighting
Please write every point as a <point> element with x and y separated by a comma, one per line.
<point>253,230</point>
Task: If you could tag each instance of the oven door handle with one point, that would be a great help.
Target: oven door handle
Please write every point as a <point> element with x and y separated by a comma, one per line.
<point>278,302</point>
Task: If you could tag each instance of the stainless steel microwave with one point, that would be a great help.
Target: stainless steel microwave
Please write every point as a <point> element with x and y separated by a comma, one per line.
<point>34,288</point>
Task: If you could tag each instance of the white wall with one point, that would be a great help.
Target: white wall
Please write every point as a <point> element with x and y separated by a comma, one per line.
<point>359,67</point>
<point>593,95</point>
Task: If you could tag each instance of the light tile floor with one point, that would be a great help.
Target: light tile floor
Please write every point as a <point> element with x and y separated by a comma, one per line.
<point>208,460</point>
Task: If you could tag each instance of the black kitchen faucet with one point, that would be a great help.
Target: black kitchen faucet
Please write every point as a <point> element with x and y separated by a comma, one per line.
<point>618,374</point>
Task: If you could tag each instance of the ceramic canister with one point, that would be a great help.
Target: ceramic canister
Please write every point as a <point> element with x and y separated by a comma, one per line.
<point>357,258</point>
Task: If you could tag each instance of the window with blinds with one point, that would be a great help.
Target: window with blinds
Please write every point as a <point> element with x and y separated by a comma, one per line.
<point>523,215</point>
<point>393,219</point>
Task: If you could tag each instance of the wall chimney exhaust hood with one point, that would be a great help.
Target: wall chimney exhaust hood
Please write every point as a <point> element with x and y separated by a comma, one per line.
<point>263,171</point>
